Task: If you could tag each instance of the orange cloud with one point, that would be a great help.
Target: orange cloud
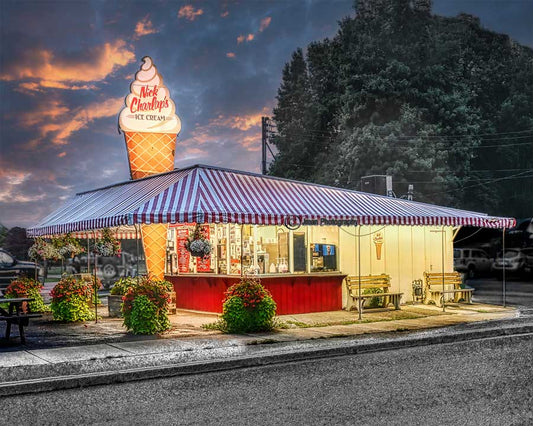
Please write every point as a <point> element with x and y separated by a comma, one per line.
<point>224,14</point>
<point>265,22</point>
<point>242,123</point>
<point>83,117</point>
<point>144,27</point>
<point>189,12</point>
<point>230,55</point>
<point>48,71</point>
<point>45,112</point>
<point>251,142</point>
<point>55,118</point>
<point>242,38</point>
<point>61,154</point>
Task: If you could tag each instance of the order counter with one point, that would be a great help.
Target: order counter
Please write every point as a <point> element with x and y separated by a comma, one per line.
<point>293,293</point>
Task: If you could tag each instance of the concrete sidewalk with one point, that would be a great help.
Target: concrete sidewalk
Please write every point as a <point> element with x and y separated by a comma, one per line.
<point>115,356</point>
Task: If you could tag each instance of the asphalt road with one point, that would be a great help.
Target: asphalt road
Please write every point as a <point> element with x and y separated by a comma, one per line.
<point>485,382</point>
<point>518,291</point>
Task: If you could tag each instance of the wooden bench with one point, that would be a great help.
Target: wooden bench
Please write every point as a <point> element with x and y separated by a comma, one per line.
<point>452,285</point>
<point>16,315</point>
<point>369,282</point>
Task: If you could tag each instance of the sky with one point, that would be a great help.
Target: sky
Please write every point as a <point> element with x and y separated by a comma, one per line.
<point>66,67</point>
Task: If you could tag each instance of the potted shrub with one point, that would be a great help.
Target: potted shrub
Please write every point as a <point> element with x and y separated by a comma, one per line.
<point>71,300</point>
<point>248,307</point>
<point>118,291</point>
<point>145,306</point>
<point>27,287</point>
<point>198,244</point>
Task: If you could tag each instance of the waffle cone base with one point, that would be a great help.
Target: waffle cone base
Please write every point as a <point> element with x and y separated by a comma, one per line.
<point>150,153</point>
<point>154,244</point>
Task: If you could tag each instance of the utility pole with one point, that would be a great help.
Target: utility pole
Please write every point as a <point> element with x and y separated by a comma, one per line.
<point>264,121</point>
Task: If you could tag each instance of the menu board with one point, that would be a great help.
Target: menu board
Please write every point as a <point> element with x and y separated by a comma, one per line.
<point>182,233</point>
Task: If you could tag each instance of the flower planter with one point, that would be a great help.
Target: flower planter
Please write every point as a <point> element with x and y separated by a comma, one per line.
<point>114,304</point>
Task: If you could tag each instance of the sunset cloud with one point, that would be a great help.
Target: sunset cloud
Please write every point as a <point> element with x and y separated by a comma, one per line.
<point>264,24</point>
<point>84,116</point>
<point>242,123</point>
<point>62,154</point>
<point>46,70</point>
<point>144,27</point>
<point>230,55</point>
<point>250,37</point>
<point>189,12</point>
<point>240,39</point>
<point>224,14</point>
<point>55,118</point>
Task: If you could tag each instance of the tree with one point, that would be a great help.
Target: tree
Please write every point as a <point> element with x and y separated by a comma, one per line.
<point>17,243</point>
<point>3,232</point>
<point>438,102</point>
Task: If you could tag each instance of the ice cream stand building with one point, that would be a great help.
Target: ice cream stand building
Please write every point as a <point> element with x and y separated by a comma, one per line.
<point>300,239</point>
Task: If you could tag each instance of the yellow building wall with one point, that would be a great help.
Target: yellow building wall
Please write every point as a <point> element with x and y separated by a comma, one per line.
<point>407,252</point>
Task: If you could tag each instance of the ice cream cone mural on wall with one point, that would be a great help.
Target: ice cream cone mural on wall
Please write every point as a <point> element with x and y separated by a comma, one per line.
<point>378,242</point>
<point>150,127</point>
<point>149,123</point>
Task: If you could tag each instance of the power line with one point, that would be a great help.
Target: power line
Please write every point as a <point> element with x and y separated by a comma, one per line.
<point>485,183</point>
<point>486,136</point>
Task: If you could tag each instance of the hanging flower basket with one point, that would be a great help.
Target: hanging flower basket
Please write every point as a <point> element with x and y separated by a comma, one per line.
<point>197,243</point>
<point>67,246</point>
<point>43,250</point>
<point>108,245</point>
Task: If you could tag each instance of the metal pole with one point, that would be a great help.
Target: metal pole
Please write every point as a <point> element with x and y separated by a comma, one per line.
<point>137,246</point>
<point>242,266</point>
<point>443,287</point>
<point>503,262</point>
<point>359,271</point>
<point>95,284</point>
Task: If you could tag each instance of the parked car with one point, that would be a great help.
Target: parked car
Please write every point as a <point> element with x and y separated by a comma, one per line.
<point>11,268</point>
<point>471,261</point>
<point>516,261</point>
<point>109,268</point>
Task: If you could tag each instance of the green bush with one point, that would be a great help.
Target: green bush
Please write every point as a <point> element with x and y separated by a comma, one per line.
<point>374,302</point>
<point>71,299</point>
<point>121,287</point>
<point>145,306</point>
<point>248,307</point>
<point>74,310</point>
<point>27,287</point>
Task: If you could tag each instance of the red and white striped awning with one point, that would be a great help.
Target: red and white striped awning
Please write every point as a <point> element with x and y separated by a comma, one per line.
<point>215,195</point>
<point>120,233</point>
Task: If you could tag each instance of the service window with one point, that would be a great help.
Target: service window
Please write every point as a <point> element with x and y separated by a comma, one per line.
<point>272,249</point>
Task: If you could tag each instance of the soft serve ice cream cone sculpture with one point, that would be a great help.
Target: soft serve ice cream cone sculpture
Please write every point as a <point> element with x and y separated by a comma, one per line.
<point>149,123</point>
<point>150,127</point>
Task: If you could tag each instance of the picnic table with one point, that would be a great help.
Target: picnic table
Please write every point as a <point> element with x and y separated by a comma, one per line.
<point>16,313</point>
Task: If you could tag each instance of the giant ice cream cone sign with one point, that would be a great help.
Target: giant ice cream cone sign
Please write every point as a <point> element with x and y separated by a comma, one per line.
<point>150,127</point>
<point>149,123</point>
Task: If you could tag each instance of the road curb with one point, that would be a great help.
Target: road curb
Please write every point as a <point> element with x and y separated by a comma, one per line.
<point>47,384</point>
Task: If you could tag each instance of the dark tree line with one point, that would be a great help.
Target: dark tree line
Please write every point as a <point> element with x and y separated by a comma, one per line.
<point>438,102</point>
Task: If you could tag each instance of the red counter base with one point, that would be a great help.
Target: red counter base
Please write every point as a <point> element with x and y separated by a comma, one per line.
<point>294,294</point>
